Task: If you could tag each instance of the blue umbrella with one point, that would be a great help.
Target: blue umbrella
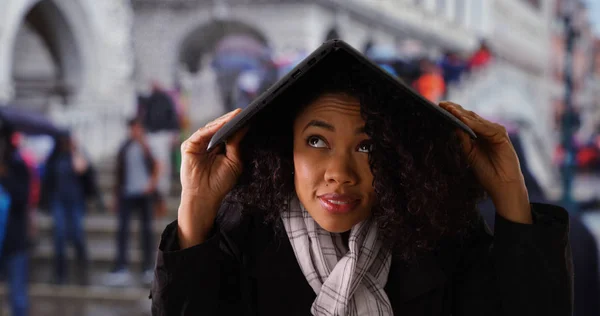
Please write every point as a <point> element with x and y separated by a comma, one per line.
<point>236,62</point>
<point>28,121</point>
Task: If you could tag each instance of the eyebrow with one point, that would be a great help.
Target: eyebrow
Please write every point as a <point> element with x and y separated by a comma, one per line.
<point>320,124</point>
<point>329,127</point>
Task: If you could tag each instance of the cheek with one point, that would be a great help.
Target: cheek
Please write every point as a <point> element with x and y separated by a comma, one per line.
<point>366,178</point>
<point>307,175</point>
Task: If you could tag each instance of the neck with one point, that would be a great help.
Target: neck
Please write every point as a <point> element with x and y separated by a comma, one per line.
<point>346,238</point>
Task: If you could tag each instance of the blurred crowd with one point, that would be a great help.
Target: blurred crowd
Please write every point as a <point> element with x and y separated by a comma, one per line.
<point>54,174</point>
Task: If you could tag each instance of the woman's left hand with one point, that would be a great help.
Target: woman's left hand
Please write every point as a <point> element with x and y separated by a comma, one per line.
<point>495,164</point>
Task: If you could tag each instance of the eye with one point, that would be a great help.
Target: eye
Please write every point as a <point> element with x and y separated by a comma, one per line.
<point>365,147</point>
<point>316,141</point>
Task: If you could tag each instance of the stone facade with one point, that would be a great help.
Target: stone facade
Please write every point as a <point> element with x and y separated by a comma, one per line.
<point>113,49</point>
<point>89,43</point>
<point>97,35</point>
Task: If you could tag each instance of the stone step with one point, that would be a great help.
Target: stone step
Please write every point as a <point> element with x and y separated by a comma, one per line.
<point>100,251</point>
<point>103,227</point>
<point>108,198</point>
<point>102,256</point>
<point>46,299</point>
<point>101,231</point>
<point>105,224</point>
<point>172,199</point>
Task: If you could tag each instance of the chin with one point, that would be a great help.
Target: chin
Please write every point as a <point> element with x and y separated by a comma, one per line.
<point>335,224</point>
<point>335,227</point>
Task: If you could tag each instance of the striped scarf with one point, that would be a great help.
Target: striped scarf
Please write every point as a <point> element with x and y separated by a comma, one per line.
<point>348,279</point>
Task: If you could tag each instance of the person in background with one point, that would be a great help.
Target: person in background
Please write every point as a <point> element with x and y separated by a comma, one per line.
<point>14,197</point>
<point>453,67</point>
<point>137,180</point>
<point>482,57</point>
<point>161,121</point>
<point>430,83</point>
<point>35,183</point>
<point>64,188</point>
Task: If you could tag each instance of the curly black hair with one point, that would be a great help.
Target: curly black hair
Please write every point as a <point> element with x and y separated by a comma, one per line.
<point>425,189</point>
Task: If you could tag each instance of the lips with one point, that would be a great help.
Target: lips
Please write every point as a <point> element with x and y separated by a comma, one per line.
<point>339,203</point>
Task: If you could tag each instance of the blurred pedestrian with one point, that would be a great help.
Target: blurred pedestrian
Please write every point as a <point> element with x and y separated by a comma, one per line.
<point>453,67</point>
<point>136,183</point>
<point>14,197</point>
<point>35,184</point>
<point>161,121</point>
<point>430,83</point>
<point>482,56</point>
<point>64,189</point>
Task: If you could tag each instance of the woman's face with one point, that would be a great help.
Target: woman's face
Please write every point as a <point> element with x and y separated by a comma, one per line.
<point>331,160</point>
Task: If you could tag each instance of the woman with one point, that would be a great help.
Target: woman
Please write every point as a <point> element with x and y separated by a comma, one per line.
<point>65,189</point>
<point>342,199</point>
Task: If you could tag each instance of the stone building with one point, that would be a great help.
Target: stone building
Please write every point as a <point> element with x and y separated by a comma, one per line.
<point>84,61</point>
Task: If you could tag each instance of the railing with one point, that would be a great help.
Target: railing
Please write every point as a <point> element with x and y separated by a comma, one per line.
<point>99,129</point>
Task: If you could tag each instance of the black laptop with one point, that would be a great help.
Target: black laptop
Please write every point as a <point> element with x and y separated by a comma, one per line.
<point>341,56</point>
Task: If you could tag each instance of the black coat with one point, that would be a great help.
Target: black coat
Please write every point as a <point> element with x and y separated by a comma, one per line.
<point>16,183</point>
<point>159,113</point>
<point>244,268</point>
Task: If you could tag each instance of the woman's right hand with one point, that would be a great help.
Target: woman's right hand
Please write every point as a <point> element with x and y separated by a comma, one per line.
<point>206,178</point>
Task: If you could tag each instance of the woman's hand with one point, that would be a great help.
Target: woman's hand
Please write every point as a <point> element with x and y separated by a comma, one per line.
<point>206,178</point>
<point>495,163</point>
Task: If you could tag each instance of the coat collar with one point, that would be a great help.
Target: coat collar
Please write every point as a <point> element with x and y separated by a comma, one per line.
<point>406,280</point>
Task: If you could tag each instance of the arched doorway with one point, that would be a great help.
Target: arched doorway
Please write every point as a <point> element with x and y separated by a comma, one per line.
<point>46,61</point>
<point>200,69</point>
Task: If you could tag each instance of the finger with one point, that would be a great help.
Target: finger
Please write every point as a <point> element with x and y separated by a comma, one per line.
<point>223,117</point>
<point>488,130</point>
<point>200,139</point>
<point>198,142</point>
<point>466,143</point>
<point>232,146</point>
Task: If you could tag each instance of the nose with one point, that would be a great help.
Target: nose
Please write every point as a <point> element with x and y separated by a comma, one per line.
<point>341,170</point>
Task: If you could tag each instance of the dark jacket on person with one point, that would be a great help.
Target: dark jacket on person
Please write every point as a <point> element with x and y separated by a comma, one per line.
<point>159,113</point>
<point>16,183</point>
<point>247,267</point>
<point>149,162</point>
<point>87,182</point>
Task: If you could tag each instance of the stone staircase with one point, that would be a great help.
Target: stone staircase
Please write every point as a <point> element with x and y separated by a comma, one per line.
<point>96,298</point>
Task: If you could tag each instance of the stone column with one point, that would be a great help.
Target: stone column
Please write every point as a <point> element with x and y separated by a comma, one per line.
<point>468,13</point>
<point>487,23</point>
<point>6,92</point>
<point>429,5</point>
<point>450,10</point>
